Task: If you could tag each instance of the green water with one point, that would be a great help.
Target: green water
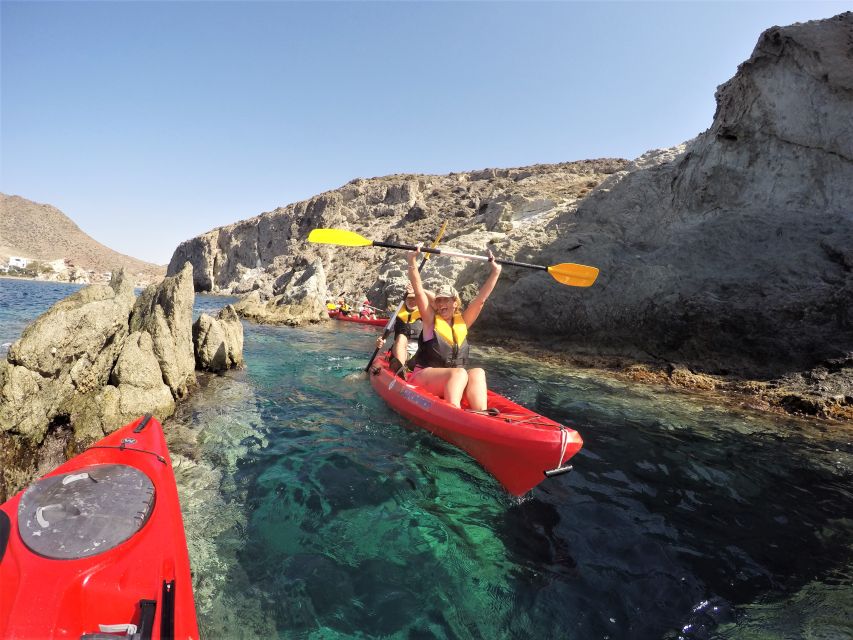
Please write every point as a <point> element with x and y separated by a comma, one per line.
<point>313,512</point>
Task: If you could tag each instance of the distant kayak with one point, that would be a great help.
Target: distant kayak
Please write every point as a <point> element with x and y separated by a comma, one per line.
<point>517,446</point>
<point>97,546</point>
<point>377,322</point>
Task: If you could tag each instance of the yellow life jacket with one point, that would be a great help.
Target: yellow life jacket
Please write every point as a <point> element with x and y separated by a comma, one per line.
<point>452,335</point>
<point>409,316</point>
<point>449,345</point>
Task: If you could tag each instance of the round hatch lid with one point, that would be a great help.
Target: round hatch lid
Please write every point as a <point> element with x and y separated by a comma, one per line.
<point>85,512</point>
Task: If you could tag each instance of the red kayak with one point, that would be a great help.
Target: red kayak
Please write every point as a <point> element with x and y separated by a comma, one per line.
<point>376,322</point>
<point>96,548</point>
<point>517,446</point>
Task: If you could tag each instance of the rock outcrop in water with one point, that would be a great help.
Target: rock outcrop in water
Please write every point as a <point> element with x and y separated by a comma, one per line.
<point>298,298</point>
<point>728,254</point>
<point>94,361</point>
<point>218,341</point>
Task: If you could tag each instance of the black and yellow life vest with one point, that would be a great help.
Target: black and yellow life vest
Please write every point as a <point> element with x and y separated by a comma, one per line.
<point>449,345</point>
<point>408,323</point>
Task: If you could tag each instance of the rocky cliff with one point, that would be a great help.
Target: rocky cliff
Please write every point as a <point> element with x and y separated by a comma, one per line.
<point>731,253</point>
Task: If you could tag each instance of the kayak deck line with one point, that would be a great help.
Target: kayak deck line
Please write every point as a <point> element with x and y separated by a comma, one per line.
<point>519,447</point>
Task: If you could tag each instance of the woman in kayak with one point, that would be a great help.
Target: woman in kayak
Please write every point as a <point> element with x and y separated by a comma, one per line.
<point>443,345</point>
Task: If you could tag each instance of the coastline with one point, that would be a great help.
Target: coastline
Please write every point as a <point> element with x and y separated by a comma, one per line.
<point>772,396</point>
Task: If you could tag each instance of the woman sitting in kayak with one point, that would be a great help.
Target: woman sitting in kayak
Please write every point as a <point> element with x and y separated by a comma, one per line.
<point>443,345</point>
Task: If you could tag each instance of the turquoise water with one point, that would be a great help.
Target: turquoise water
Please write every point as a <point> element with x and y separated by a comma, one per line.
<point>312,511</point>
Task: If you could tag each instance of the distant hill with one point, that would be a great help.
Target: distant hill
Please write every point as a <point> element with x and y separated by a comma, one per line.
<point>42,232</point>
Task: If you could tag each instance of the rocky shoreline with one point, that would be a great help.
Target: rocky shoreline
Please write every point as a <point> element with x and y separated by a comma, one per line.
<point>99,359</point>
<point>822,393</point>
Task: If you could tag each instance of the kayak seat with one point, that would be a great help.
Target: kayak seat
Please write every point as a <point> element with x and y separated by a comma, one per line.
<point>86,511</point>
<point>5,529</point>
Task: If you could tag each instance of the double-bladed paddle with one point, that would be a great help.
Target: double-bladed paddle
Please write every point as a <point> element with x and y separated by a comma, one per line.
<point>574,275</point>
<point>390,325</point>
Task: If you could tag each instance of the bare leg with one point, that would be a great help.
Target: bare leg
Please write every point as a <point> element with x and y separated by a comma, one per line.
<point>455,386</point>
<point>401,343</point>
<point>475,392</point>
<point>445,383</point>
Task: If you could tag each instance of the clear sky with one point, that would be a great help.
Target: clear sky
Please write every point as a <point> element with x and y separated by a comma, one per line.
<point>148,123</point>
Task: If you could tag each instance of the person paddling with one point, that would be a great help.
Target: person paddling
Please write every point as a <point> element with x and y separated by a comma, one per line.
<point>443,347</point>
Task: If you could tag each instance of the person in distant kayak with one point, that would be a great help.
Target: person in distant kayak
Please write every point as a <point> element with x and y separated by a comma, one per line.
<point>443,347</point>
<point>344,308</point>
<point>366,310</point>
<point>330,305</point>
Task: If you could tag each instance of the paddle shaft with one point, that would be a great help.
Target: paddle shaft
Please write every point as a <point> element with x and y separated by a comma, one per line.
<point>456,254</point>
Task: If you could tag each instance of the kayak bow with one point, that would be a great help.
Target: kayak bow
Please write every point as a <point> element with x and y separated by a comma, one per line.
<point>97,546</point>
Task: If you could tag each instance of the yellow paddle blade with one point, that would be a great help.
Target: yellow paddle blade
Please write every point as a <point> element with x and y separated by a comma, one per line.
<point>338,236</point>
<point>574,275</point>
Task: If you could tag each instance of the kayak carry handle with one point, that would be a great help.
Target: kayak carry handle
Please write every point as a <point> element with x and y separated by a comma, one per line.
<point>145,420</point>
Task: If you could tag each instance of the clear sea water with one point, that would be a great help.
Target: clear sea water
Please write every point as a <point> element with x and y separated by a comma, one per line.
<point>313,511</point>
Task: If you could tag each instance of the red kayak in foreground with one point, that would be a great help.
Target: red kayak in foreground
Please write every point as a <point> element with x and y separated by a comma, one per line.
<point>376,322</point>
<point>97,547</point>
<point>517,446</point>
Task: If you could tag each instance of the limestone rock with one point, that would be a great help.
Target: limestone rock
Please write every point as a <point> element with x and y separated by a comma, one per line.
<point>218,342</point>
<point>165,312</point>
<point>301,299</point>
<point>78,372</point>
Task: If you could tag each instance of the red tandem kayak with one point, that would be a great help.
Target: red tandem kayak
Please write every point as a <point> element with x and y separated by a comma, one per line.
<point>97,547</point>
<point>517,446</point>
<point>376,322</point>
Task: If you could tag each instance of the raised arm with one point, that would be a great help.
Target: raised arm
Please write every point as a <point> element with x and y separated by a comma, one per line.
<point>472,312</point>
<point>421,298</point>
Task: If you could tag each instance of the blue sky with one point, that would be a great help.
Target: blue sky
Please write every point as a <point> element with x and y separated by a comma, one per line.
<point>151,122</point>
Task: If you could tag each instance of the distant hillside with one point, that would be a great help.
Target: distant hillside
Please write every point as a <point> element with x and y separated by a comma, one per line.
<point>41,232</point>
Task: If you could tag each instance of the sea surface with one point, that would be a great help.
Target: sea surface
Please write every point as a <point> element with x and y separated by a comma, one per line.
<point>313,511</point>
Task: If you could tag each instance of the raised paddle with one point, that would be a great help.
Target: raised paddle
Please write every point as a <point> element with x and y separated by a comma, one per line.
<point>574,275</point>
<point>390,326</point>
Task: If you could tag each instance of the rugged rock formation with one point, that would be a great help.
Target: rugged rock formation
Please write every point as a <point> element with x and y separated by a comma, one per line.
<point>734,254</point>
<point>299,298</point>
<point>93,362</point>
<point>218,342</point>
<point>266,252</point>
<point>165,311</point>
